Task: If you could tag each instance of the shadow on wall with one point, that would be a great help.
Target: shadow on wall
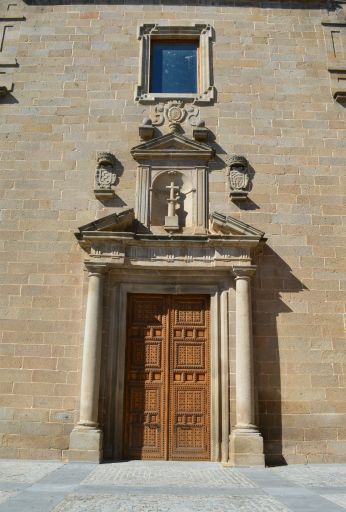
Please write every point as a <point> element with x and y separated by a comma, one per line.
<point>273,277</point>
<point>8,99</point>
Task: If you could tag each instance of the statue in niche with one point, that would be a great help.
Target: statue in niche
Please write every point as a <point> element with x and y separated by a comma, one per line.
<point>105,175</point>
<point>238,175</point>
<point>171,202</point>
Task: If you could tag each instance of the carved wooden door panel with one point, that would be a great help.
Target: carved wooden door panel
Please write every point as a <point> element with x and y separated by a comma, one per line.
<point>145,398</point>
<point>167,378</point>
<point>189,379</point>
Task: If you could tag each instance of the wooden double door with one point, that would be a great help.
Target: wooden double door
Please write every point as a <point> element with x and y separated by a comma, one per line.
<point>167,378</point>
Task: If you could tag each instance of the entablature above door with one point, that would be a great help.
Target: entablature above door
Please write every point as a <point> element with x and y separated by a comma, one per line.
<point>115,242</point>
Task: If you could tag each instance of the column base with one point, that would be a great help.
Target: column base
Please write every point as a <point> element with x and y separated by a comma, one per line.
<point>85,445</point>
<point>246,447</point>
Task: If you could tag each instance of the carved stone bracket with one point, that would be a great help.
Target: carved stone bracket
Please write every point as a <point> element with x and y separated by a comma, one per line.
<point>238,176</point>
<point>105,176</point>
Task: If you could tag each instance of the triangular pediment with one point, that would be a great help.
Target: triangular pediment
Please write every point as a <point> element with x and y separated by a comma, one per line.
<point>116,222</point>
<point>230,226</point>
<point>172,146</point>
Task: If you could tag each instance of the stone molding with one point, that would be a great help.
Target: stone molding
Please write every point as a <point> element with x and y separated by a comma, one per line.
<point>220,289</point>
<point>335,33</point>
<point>184,254</point>
<point>204,33</point>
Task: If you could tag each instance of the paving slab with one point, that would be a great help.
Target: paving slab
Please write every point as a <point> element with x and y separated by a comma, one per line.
<point>157,486</point>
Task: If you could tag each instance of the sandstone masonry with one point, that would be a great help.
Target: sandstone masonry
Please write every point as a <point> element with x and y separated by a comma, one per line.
<point>74,80</point>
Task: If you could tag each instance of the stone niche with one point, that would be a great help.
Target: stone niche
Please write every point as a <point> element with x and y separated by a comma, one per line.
<point>172,184</point>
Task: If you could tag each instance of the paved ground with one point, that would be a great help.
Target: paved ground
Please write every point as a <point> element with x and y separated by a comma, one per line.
<point>35,486</point>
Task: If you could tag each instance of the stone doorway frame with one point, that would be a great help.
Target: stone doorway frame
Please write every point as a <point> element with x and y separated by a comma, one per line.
<point>220,289</point>
<point>213,264</point>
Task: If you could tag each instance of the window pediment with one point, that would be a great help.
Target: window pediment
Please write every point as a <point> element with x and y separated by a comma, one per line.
<point>173,146</point>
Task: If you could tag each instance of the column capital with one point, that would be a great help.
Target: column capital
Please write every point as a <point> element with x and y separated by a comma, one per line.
<point>98,269</point>
<point>244,272</point>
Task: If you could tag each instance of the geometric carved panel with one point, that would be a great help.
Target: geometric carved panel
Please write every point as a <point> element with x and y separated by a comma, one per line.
<point>147,312</point>
<point>189,313</point>
<point>189,355</point>
<point>189,382</point>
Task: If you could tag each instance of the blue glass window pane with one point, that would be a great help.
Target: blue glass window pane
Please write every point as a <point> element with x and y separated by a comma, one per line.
<point>174,67</point>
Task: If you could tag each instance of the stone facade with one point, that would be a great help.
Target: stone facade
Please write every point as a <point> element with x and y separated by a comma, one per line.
<point>72,74</point>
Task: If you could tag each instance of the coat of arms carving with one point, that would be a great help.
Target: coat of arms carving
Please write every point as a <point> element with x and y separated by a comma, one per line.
<point>105,175</point>
<point>238,176</point>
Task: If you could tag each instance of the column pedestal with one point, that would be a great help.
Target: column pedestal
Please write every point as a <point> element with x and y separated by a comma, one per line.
<point>246,442</point>
<point>86,438</point>
<point>85,444</point>
<point>246,447</point>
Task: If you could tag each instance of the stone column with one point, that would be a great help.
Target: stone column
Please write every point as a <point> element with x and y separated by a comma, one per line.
<point>86,437</point>
<point>246,443</point>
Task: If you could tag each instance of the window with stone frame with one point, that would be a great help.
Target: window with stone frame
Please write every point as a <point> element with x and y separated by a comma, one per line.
<point>174,66</point>
<point>175,63</point>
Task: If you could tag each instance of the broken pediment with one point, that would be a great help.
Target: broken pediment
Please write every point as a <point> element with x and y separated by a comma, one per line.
<point>116,223</point>
<point>229,226</point>
<point>172,146</point>
<point>115,241</point>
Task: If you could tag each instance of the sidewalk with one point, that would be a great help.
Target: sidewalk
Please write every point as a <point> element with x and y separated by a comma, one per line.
<point>136,486</point>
